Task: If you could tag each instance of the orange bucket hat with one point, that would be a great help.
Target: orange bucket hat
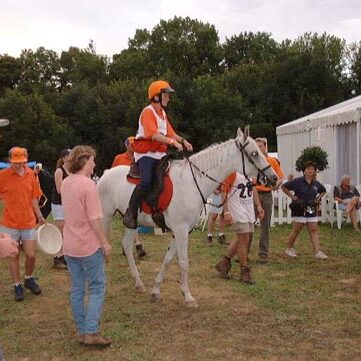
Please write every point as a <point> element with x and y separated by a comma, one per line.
<point>18,155</point>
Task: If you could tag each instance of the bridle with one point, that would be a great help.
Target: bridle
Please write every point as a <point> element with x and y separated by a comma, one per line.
<point>261,176</point>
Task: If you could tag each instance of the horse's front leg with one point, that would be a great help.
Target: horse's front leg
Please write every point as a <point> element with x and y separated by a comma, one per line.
<point>172,249</point>
<point>127,242</point>
<point>181,239</point>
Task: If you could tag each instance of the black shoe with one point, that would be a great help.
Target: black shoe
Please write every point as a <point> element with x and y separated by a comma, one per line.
<point>19,293</point>
<point>140,250</point>
<point>32,286</point>
<point>131,214</point>
<point>263,259</point>
<point>60,263</point>
<point>209,240</point>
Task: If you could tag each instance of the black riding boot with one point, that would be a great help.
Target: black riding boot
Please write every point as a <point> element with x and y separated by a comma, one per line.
<point>131,214</point>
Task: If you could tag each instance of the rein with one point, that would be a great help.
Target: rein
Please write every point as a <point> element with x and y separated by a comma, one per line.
<point>242,148</point>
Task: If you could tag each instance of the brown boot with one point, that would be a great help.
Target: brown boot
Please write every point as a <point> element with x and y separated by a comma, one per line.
<point>96,339</point>
<point>223,267</point>
<point>246,276</point>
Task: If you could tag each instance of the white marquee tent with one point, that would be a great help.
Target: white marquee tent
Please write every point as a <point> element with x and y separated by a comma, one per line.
<point>336,130</point>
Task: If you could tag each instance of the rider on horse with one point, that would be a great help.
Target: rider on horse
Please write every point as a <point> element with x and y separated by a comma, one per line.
<point>154,135</point>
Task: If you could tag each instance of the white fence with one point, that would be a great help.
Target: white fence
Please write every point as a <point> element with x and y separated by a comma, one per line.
<point>281,212</point>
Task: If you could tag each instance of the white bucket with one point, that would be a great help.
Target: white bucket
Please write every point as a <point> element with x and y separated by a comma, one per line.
<point>49,239</point>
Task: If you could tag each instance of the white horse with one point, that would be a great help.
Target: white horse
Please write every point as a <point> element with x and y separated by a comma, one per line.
<point>193,181</point>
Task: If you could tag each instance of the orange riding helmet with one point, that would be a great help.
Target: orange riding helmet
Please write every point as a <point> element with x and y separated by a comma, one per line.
<point>157,88</point>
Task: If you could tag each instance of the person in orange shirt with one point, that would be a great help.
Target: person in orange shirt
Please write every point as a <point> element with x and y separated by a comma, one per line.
<point>20,192</point>
<point>265,196</point>
<point>127,158</point>
<point>154,135</point>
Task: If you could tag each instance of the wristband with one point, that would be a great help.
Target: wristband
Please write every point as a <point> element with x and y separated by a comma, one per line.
<point>227,213</point>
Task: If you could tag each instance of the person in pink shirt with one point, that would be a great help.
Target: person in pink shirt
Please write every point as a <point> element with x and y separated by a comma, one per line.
<point>8,247</point>
<point>84,245</point>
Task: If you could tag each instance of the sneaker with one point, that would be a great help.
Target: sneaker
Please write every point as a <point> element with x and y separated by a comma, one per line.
<point>140,251</point>
<point>32,286</point>
<point>19,293</point>
<point>96,339</point>
<point>291,252</point>
<point>320,255</point>
<point>58,263</point>
<point>222,239</point>
<point>209,240</point>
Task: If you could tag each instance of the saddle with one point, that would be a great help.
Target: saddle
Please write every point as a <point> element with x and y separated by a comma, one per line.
<point>160,194</point>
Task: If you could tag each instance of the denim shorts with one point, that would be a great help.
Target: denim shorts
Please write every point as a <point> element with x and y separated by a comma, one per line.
<point>19,234</point>
<point>57,212</point>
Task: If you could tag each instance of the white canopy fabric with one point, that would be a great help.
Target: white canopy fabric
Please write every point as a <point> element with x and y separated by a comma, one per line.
<point>335,129</point>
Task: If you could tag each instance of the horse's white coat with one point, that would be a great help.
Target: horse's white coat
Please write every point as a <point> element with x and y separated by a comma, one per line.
<point>218,161</point>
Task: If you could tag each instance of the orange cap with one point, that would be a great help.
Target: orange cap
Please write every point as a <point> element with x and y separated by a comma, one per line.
<point>18,155</point>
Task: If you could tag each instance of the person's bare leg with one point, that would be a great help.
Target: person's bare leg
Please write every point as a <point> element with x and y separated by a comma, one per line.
<point>353,216</point>
<point>242,249</point>
<point>312,228</point>
<point>14,269</point>
<point>29,249</point>
<point>296,229</point>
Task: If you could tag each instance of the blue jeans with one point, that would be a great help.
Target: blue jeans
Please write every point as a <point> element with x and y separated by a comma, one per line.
<point>87,272</point>
<point>146,168</point>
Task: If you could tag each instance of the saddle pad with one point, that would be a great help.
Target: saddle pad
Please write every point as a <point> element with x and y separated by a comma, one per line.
<point>164,198</point>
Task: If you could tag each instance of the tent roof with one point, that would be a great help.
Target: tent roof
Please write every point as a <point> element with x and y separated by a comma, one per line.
<point>341,113</point>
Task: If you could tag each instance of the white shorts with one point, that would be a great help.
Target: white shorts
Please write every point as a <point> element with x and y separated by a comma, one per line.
<point>216,200</point>
<point>243,227</point>
<point>306,219</point>
<point>57,212</point>
<point>19,234</point>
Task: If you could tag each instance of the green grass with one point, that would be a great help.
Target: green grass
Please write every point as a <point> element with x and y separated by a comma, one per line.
<point>299,309</point>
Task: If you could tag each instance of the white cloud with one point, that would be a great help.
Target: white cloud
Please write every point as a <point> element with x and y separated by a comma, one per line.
<point>60,24</point>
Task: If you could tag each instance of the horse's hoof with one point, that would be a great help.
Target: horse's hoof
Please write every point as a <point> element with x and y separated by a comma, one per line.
<point>140,289</point>
<point>192,304</point>
<point>155,298</point>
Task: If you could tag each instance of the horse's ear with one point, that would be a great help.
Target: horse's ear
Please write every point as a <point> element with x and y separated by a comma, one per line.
<point>239,133</point>
<point>246,133</point>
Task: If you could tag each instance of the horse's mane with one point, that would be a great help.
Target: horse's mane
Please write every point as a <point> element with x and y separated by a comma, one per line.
<point>211,156</point>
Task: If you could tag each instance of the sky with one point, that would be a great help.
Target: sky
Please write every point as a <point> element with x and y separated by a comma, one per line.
<point>57,25</point>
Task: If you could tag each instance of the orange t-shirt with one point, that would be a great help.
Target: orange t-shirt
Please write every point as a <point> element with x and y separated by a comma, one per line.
<point>150,126</point>
<point>228,183</point>
<point>273,162</point>
<point>122,159</point>
<point>18,193</point>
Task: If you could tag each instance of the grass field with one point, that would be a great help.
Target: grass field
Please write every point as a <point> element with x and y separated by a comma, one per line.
<point>299,309</point>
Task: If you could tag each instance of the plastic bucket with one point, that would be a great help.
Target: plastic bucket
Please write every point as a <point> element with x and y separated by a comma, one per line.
<point>49,239</point>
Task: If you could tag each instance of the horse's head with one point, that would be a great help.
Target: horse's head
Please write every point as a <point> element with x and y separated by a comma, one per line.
<point>254,162</point>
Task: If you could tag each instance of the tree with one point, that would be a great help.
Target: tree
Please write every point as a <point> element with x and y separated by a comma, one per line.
<point>39,71</point>
<point>183,46</point>
<point>10,71</point>
<point>83,65</point>
<point>245,48</point>
<point>34,126</point>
